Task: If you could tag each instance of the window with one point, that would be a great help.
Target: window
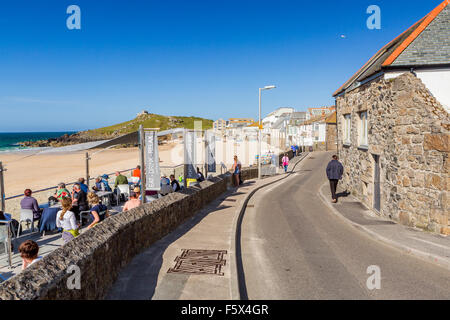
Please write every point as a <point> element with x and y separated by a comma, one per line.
<point>347,128</point>
<point>363,132</point>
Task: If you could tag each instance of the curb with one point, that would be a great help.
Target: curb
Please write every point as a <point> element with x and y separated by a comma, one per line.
<point>238,288</point>
<point>443,262</point>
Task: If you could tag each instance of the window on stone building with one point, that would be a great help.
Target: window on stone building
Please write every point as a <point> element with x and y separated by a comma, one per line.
<point>347,128</point>
<point>363,132</point>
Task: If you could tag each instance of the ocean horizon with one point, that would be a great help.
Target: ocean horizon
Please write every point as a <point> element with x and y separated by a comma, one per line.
<point>9,141</point>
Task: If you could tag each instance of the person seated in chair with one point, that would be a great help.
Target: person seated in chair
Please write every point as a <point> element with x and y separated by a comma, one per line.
<point>29,251</point>
<point>132,203</point>
<point>200,176</point>
<point>30,203</point>
<point>79,200</point>
<point>101,184</point>
<point>96,209</point>
<point>174,183</point>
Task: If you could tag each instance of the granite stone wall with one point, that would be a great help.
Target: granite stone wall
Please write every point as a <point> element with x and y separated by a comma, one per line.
<point>101,252</point>
<point>409,130</point>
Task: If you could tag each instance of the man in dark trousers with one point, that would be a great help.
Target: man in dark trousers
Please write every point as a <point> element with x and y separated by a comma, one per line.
<point>334,174</point>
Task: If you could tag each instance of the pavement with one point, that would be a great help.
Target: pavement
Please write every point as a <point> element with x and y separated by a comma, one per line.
<point>213,228</point>
<point>297,245</point>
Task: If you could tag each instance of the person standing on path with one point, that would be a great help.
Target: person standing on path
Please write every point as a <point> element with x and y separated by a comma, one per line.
<point>285,162</point>
<point>237,166</point>
<point>334,174</point>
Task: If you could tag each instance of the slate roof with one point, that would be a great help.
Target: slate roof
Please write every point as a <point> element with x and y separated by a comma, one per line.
<point>426,43</point>
<point>432,46</point>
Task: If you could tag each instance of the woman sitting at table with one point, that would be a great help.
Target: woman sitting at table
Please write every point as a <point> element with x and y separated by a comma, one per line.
<point>96,209</point>
<point>66,219</point>
<point>30,203</point>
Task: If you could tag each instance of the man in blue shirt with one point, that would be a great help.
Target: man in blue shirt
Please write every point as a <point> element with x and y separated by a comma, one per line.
<point>83,186</point>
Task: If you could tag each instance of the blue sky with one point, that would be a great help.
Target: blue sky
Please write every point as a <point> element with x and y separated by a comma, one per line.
<point>201,58</point>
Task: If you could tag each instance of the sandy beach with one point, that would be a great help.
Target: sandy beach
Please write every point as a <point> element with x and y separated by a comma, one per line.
<point>46,170</point>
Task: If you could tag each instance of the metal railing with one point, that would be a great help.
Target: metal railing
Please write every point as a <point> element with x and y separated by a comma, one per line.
<point>67,184</point>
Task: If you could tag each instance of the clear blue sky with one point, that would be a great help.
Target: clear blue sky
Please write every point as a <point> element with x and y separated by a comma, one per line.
<point>202,58</point>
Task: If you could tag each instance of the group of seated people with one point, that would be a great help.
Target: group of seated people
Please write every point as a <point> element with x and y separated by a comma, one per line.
<point>81,200</point>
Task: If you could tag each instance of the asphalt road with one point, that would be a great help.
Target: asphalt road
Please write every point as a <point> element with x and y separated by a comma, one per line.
<point>293,247</point>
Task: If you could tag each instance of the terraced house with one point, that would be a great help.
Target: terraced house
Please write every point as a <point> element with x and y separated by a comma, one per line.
<point>393,126</point>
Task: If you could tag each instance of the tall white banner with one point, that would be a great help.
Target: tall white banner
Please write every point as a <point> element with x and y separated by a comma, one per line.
<point>152,170</point>
<point>190,152</point>
<point>211,151</point>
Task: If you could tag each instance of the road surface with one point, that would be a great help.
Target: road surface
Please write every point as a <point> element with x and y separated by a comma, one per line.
<point>294,247</point>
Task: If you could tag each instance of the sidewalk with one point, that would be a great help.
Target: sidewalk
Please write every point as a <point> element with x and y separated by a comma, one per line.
<point>147,276</point>
<point>425,245</point>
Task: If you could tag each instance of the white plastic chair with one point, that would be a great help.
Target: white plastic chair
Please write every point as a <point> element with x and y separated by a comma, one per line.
<point>26,215</point>
<point>134,180</point>
<point>5,237</point>
<point>123,189</point>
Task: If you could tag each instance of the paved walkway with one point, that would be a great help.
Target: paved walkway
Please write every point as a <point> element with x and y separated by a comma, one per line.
<point>426,245</point>
<point>213,228</point>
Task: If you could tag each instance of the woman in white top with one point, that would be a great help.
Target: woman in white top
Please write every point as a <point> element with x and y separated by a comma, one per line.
<point>66,219</point>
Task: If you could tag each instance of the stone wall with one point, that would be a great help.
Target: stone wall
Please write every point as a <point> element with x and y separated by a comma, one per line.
<point>103,251</point>
<point>331,136</point>
<point>409,130</point>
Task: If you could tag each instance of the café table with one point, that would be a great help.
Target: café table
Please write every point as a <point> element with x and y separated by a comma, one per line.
<point>48,218</point>
<point>105,195</point>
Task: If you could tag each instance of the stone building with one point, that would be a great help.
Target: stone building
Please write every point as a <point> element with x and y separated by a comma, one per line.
<point>393,126</point>
<point>319,132</point>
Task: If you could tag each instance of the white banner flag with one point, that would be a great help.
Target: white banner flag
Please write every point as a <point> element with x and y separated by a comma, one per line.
<point>152,171</point>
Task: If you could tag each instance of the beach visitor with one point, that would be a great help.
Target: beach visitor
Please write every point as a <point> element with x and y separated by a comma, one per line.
<point>96,211</point>
<point>334,174</point>
<point>165,186</point>
<point>132,203</point>
<point>30,203</point>
<point>29,251</point>
<point>83,185</point>
<point>136,172</point>
<point>79,200</point>
<point>120,179</point>
<point>101,184</point>
<point>285,162</point>
<point>236,168</point>
<point>200,176</point>
<point>62,192</point>
<point>174,183</point>
<point>66,219</point>
<point>13,225</point>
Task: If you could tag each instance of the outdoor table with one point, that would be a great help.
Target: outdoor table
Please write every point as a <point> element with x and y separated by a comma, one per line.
<point>48,218</point>
<point>105,194</point>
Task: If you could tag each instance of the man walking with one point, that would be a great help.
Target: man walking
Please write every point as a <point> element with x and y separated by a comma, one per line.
<point>334,174</point>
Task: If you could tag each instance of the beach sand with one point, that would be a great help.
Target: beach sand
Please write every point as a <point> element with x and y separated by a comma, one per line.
<point>47,170</point>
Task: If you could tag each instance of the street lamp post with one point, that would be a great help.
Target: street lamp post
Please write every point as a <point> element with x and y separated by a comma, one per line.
<point>259,129</point>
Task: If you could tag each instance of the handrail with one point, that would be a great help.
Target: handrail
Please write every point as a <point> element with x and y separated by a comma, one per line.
<point>71,183</point>
<point>67,184</point>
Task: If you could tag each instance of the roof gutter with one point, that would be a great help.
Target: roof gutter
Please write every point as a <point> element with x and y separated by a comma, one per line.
<point>357,84</point>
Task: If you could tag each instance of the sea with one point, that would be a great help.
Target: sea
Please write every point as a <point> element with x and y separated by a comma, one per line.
<point>9,140</point>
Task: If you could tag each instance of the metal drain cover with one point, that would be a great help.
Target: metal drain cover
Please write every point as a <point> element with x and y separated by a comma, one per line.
<point>193,261</point>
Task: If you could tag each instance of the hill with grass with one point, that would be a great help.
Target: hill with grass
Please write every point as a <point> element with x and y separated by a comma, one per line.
<point>147,120</point>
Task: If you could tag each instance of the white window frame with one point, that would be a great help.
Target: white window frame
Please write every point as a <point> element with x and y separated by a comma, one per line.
<point>347,129</point>
<point>363,130</point>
